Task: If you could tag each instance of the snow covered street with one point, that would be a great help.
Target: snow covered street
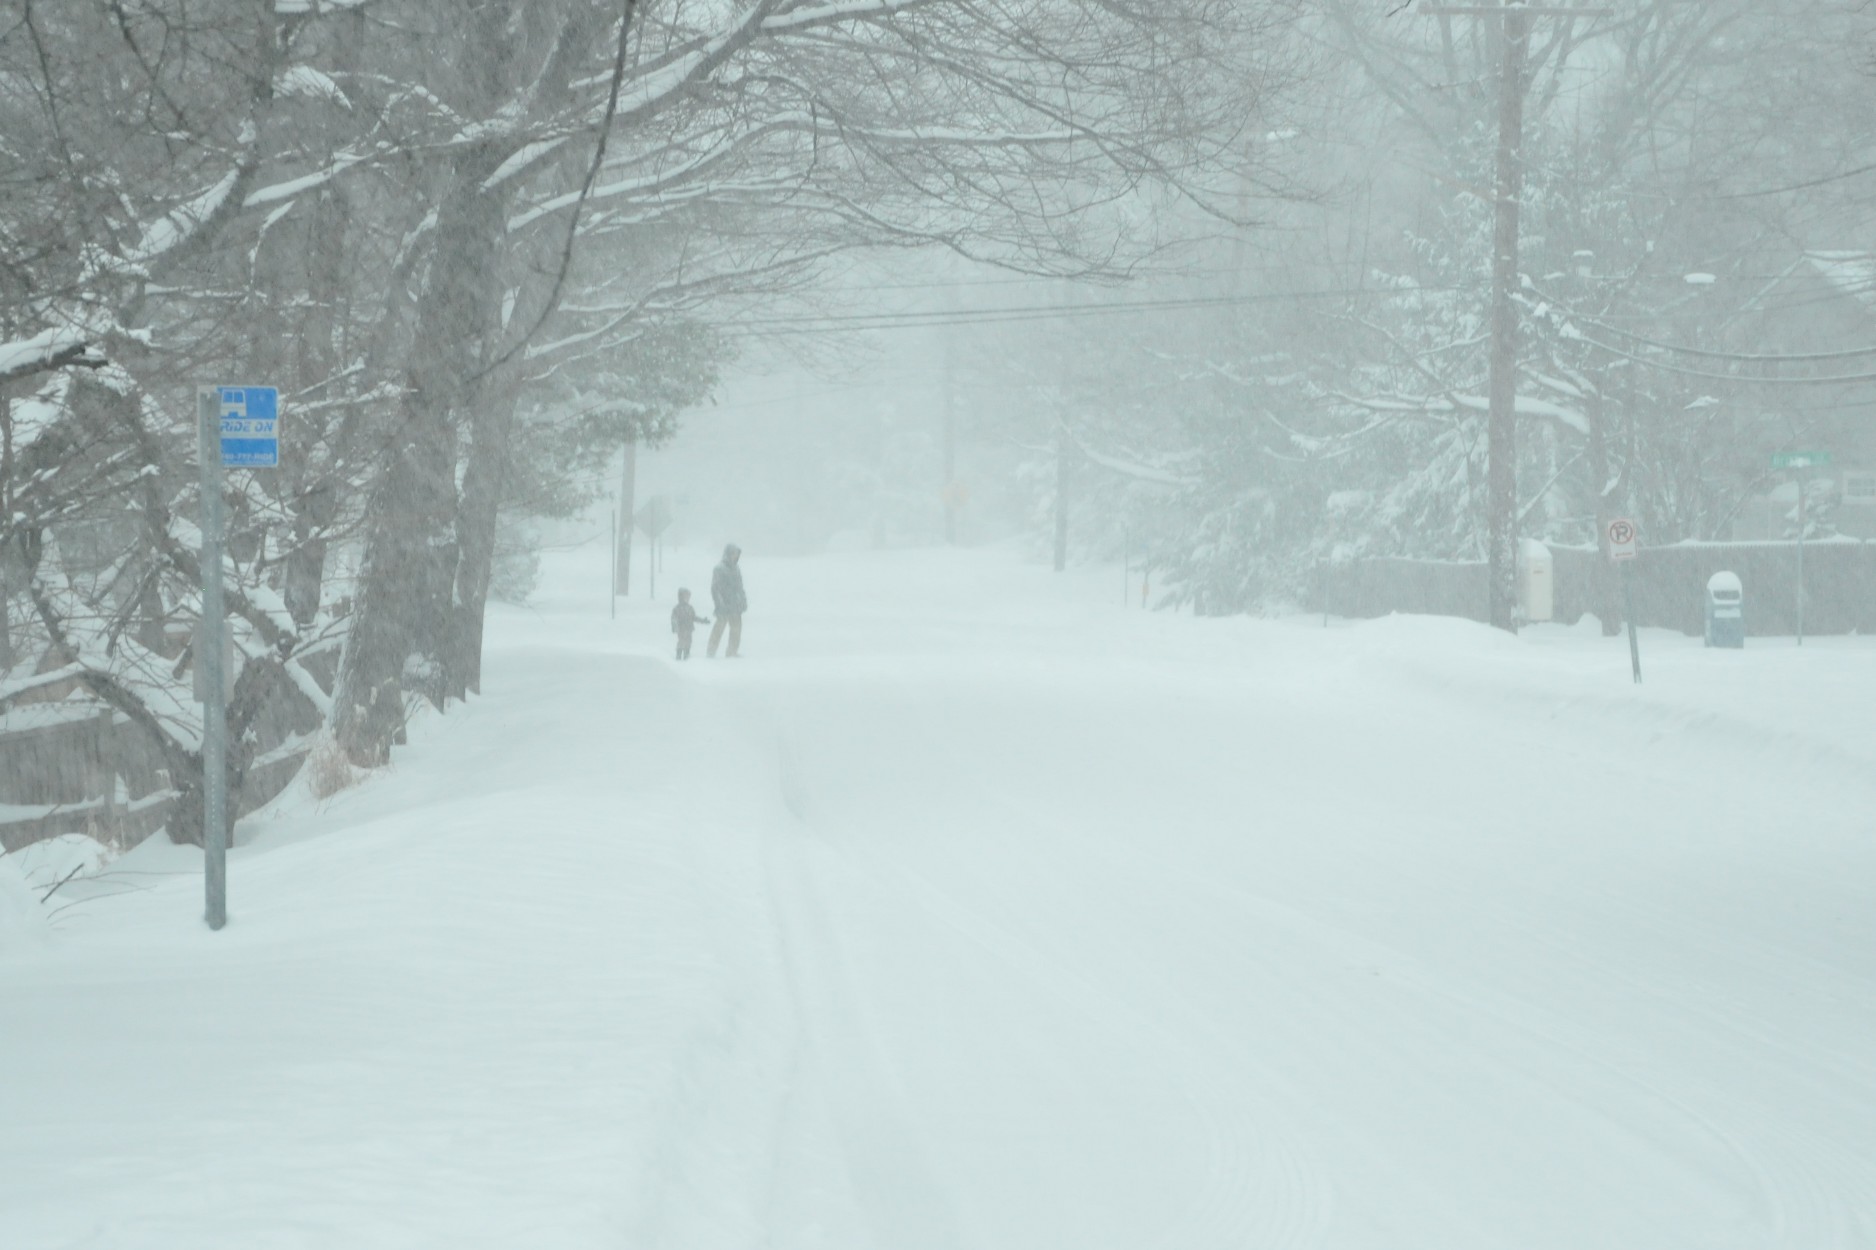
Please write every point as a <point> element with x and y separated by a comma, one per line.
<point>973,911</point>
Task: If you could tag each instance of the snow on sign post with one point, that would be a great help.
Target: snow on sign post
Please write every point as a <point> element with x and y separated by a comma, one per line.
<point>1624,546</point>
<point>237,427</point>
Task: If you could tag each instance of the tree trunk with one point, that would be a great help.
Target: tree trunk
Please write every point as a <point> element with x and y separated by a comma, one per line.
<point>6,486</point>
<point>484,481</point>
<point>410,627</point>
<point>184,825</point>
<point>1606,597</point>
<point>321,350</point>
<point>303,577</point>
<point>403,617</point>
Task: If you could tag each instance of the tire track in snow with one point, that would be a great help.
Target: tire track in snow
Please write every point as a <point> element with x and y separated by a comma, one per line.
<point>1290,1202</point>
<point>893,1180</point>
<point>1257,1189</point>
<point>1570,1072</point>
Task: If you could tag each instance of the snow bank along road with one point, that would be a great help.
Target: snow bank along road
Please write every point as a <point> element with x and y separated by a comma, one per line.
<point>971,911</point>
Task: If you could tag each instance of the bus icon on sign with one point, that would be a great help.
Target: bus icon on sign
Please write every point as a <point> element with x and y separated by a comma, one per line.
<point>250,427</point>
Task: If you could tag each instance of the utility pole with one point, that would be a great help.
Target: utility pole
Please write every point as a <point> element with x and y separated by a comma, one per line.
<point>803,488</point>
<point>622,552</point>
<point>1501,440</point>
<point>1804,482</point>
<point>1062,443</point>
<point>951,440</point>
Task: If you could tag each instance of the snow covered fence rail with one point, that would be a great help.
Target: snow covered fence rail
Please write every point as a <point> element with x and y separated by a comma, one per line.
<point>1670,583</point>
<point>74,766</point>
<point>1378,587</point>
<point>66,768</point>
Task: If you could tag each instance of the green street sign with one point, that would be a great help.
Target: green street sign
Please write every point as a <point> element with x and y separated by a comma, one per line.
<point>1800,459</point>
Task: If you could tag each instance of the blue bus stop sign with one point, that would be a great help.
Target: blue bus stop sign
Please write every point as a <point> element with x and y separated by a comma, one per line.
<point>250,427</point>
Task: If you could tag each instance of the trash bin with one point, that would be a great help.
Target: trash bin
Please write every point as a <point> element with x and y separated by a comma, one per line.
<point>1536,581</point>
<point>1726,611</point>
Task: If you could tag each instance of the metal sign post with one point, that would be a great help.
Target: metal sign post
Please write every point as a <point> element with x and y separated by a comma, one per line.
<point>1804,483</point>
<point>236,426</point>
<point>208,658</point>
<point>653,520</point>
<point>1801,463</point>
<point>1624,546</point>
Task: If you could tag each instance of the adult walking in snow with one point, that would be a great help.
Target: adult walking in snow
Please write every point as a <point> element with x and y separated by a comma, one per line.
<point>726,591</point>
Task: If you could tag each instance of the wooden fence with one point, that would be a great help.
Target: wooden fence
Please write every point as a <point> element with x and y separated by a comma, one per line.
<point>74,766</point>
<point>1670,586</point>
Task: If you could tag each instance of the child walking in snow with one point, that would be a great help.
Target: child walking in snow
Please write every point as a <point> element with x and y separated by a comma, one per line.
<point>684,620</point>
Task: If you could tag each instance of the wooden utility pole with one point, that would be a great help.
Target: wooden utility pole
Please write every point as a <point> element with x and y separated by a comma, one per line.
<point>1064,441</point>
<point>1501,439</point>
<point>1062,446</point>
<point>628,489</point>
<point>951,441</point>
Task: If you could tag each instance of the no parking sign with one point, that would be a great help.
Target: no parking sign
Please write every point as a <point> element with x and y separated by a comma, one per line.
<point>1623,539</point>
<point>1624,545</point>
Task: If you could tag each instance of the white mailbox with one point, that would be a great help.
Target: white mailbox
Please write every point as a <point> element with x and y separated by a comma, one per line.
<point>1537,588</point>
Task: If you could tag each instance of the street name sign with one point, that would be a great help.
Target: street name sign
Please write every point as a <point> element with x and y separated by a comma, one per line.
<point>1800,459</point>
<point>250,427</point>
<point>655,517</point>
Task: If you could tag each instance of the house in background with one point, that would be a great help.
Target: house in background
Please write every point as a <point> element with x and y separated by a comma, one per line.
<point>1841,502</point>
<point>1823,302</point>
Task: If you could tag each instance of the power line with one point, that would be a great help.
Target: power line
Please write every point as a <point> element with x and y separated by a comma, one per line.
<point>1757,358</point>
<point>832,323</point>
<point>1801,186</point>
<point>1842,379</point>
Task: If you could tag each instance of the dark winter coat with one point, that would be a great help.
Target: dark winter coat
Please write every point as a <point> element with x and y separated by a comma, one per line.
<point>726,585</point>
<point>684,620</point>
